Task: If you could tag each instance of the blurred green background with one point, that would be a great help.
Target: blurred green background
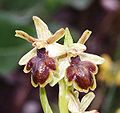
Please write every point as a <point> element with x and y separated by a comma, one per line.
<point>102,17</point>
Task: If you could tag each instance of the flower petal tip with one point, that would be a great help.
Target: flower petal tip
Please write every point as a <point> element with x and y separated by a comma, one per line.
<point>38,20</point>
<point>86,34</point>
<point>88,31</point>
<point>20,63</point>
<point>86,101</point>
<point>66,28</point>
<point>35,17</point>
<point>92,58</point>
<point>17,33</point>
<point>102,60</point>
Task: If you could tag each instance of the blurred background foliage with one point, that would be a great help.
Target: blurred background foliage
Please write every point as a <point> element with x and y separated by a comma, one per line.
<point>100,16</point>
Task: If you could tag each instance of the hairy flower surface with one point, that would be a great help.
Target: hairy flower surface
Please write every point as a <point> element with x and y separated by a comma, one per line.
<point>81,72</point>
<point>41,60</point>
<point>81,66</point>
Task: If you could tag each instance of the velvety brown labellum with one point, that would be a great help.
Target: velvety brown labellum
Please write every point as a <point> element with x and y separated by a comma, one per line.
<point>81,72</point>
<point>40,66</point>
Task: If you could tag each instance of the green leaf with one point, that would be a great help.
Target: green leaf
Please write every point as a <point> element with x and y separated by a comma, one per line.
<point>11,48</point>
<point>18,4</point>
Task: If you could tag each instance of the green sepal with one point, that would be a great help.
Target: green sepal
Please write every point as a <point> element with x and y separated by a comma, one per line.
<point>68,38</point>
<point>74,105</point>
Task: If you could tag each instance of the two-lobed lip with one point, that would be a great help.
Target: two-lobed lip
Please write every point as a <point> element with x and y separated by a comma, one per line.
<point>40,66</point>
<point>81,72</point>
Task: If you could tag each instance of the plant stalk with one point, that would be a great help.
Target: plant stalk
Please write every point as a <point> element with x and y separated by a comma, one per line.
<point>63,105</point>
<point>44,101</point>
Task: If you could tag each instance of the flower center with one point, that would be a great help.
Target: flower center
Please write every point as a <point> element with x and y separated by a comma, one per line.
<point>41,53</point>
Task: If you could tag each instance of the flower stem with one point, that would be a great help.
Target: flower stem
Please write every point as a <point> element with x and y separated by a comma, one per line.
<point>63,106</point>
<point>109,99</point>
<point>44,101</point>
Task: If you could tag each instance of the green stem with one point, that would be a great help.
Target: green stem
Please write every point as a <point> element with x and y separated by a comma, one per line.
<point>44,101</point>
<point>63,105</point>
<point>109,99</point>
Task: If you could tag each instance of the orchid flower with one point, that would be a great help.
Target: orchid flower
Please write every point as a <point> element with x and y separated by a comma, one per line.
<point>39,61</point>
<point>75,106</point>
<point>79,67</point>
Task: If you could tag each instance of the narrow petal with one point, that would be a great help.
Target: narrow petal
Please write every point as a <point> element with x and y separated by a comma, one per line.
<point>33,83</point>
<point>43,32</point>
<point>25,36</point>
<point>84,37</point>
<point>86,100</point>
<point>62,65</point>
<point>24,60</point>
<point>55,50</point>
<point>58,34</point>
<point>92,58</point>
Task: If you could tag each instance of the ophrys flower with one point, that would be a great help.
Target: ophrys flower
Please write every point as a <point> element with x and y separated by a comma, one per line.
<point>81,67</point>
<point>76,106</point>
<point>38,61</point>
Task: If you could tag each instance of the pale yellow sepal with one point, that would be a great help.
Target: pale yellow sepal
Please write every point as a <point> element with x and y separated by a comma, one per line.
<point>73,102</point>
<point>55,50</point>
<point>92,58</point>
<point>75,49</point>
<point>68,38</point>
<point>24,60</point>
<point>86,101</point>
<point>75,106</point>
<point>43,32</point>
